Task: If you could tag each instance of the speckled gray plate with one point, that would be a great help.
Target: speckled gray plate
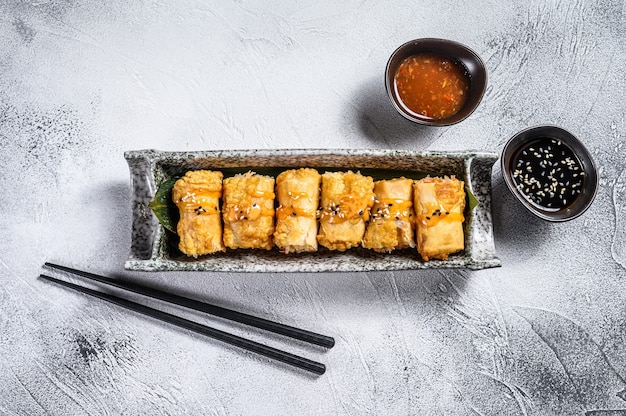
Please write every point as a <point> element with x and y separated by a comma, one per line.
<point>153,248</point>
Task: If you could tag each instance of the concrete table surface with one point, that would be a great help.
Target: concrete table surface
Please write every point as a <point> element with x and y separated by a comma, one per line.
<point>82,82</point>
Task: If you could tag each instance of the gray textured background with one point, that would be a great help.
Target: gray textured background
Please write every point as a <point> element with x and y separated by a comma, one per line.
<point>81,82</point>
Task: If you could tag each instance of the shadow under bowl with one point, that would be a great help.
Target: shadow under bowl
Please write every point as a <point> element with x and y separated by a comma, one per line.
<point>561,157</point>
<point>461,54</point>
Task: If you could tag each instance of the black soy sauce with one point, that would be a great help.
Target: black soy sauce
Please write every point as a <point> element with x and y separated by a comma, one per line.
<point>548,173</point>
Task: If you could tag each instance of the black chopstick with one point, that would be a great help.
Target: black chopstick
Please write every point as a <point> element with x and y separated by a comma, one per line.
<point>290,331</point>
<point>267,351</point>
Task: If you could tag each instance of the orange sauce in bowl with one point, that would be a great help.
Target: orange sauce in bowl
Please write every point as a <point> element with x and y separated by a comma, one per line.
<point>431,86</point>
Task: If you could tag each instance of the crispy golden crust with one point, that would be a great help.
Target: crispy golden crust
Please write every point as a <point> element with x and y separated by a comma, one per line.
<point>249,211</point>
<point>439,204</point>
<point>298,198</point>
<point>391,222</point>
<point>346,200</point>
<point>197,197</point>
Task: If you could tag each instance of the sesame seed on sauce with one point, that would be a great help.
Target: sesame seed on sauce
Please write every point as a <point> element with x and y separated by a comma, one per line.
<point>548,173</point>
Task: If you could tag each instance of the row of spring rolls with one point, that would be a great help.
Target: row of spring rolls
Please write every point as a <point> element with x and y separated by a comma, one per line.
<point>337,210</point>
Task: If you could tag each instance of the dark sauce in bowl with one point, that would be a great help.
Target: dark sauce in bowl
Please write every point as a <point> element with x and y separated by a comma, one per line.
<point>548,173</point>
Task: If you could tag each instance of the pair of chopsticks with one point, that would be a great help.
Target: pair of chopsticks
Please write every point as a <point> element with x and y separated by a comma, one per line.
<point>253,346</point>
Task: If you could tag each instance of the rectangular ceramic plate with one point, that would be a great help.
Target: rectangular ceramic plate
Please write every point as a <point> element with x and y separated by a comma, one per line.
<point>154,249</point>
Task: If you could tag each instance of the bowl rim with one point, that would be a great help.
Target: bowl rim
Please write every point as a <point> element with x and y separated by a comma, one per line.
<point>429,41</point>
<point>580,151</point>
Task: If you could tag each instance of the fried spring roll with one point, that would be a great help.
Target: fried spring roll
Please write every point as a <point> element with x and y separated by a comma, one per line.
<point>197,196</point>
<point>391,222</point>
<point>249,211</point>
<point>439,205</point>
<point>346,200</point>
<point>298,198</point>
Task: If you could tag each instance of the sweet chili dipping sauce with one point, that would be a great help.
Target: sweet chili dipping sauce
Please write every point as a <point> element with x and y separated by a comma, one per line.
<point>431,86</point>
<point>548,173</point>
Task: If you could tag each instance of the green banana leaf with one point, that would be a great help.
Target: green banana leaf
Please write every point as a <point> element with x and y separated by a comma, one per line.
<point>163,207</point>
